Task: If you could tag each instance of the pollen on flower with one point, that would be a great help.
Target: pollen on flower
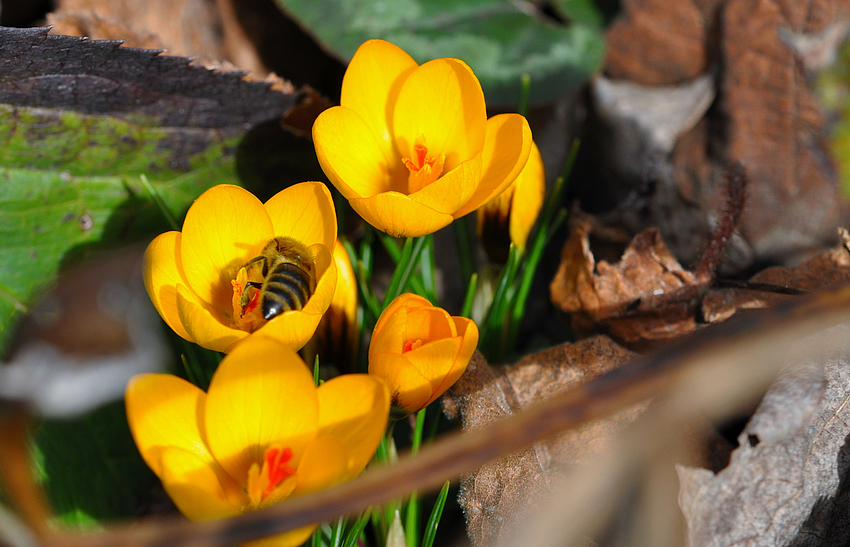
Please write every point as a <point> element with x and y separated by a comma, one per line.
<point>262,481</point>
<point>245,300</point>
<point>411,345</point>
<point>424,169</point>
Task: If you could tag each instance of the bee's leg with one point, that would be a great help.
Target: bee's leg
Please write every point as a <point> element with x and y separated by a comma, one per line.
<point>246,300</point>
<point>254,284</point>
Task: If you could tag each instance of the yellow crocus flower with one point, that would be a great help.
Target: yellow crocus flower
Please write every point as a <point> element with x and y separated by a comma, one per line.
<point>411,146</point>
<point>201,281</point>
<point>262,433</point>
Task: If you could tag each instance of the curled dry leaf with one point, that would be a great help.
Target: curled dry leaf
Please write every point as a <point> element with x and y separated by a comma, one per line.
<point>825,270</point>
<point>496,497</point>
<point>757,53</point>
<point>183,27</point>
<point>786,483</point>
<point>649,297</point>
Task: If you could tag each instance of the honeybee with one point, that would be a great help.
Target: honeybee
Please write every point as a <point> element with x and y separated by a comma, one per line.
<point>289,277</point>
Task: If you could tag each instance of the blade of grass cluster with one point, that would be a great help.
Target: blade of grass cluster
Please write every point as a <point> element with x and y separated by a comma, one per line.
<point>316,538</point>
<point>411,517</point>
<point>391,245</point>
<point>356,529</point>
<point>409,258</point>
<point>469,299</point>
<point>159,202</point>
<point>338,532</point>
<point>496,314</point>
<point>546,229</point>
<point>202,363</point>
<point>464,249</point>
<point>436,515</point>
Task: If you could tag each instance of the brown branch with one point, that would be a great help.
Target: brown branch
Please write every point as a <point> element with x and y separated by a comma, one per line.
<point>728,346</point>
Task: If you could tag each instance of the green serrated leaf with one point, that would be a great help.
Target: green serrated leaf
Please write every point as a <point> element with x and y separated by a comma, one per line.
<point>90,468</point>
<point>500,41</point>
<point>81,123</point>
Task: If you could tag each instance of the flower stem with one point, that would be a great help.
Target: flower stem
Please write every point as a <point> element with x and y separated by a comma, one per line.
<point>411,521</point>
<point>409,258</point>
<point>370,303</point>
<point>547,227</point>
<point>391,245</point>
<point>469,299</point>
<point>429,270</point>
<point>464,249</point>
<point>524,94</point>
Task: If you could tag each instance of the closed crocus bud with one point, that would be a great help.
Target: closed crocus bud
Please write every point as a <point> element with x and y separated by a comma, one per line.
<point>336,339</point>
<point>510,217</point>
<point>420,351</point>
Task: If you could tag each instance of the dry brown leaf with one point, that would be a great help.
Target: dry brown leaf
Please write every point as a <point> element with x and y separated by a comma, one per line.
<point>757,53</point>
<point>786,483</point>
<point>184,27</point>
<point>500,494</point>
<point>646,296</point>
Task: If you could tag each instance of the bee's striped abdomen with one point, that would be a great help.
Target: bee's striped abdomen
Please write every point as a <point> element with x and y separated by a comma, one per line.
<point>287,287</point>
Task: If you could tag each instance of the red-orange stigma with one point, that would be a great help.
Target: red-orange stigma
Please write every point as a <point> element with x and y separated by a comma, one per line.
<point>411,345</point>
<point>276,462</point>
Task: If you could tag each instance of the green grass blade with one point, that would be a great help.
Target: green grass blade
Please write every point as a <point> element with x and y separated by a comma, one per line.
<point>434,519</point>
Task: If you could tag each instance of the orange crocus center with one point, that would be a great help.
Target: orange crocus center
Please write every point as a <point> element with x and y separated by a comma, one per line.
<point>275,469</point>
<point>424,168</point>
<point>411,345</point>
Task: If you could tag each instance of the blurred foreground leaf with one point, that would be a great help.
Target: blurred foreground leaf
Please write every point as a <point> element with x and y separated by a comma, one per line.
<point>91,469</point>
<point>501,40</point>
<point>81,122</point>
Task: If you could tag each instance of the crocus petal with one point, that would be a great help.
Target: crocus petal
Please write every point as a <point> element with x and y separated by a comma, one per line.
<point>194,487</point>
<point>162,274</point>
<point>505,152</point>
<point>407,300</point>
<point>294,328</point>
<point>224,228</point>
<point>429,324</point>
<point>322,466</point>
<point>528,198</point>
<point>399,215</point>
<point>350,154</point>
<point>166,411</point>
<point>441,101</point>
<point>261,393</point>
<point>204,323</point>
<point>410,389</point>
<point>468,331</point>
<point>304,212</point>
<point>354,408</point>
<point>293,538</point>
<point>370,87</point>
<point>448,193</point>
<point>434,359</point>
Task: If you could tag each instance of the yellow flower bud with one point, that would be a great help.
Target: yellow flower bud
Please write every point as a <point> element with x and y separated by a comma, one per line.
<point>420,351</point>
<point>510,217</point>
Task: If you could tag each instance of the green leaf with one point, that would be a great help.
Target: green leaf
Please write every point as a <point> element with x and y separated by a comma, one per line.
<point>498,39</point>
<point>90,468</point>
<point>81,122</point>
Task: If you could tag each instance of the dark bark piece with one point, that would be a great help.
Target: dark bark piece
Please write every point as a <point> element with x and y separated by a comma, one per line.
<point>498,496</point>
<point>99,77</point>
<point>656,42</point>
